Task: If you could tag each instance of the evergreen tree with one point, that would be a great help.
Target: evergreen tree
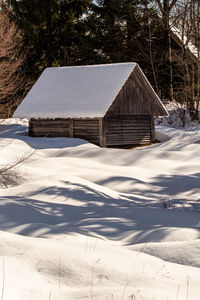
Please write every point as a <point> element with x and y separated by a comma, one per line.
<point>52,31</point>
<point>68,32</point>
<point>120,29</point>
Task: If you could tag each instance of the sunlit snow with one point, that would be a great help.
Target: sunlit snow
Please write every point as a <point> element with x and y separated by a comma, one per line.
<point>90,223</point>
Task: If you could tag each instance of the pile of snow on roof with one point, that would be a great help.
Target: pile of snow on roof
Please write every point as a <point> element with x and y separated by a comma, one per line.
<point>80,91</point>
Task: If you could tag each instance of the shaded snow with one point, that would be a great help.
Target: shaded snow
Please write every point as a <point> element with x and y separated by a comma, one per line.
<point>179,116</point>
<point>93,223</point>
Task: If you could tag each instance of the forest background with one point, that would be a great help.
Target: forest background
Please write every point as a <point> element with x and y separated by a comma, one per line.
<point>49,33</point>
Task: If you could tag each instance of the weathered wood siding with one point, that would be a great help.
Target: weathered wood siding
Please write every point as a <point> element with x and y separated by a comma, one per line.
<point>111,131</point>
<point>87,129</point>
<point>49,127</point>
<point>136,98</point>
<point>131,100</point>
<point>129,120</point>
<point>128,130</point>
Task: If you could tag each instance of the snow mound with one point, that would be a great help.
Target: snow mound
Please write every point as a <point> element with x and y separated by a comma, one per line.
<point>93,223</point>
<point>179,116</point>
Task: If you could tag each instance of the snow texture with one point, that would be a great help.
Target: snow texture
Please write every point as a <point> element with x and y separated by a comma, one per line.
<point>77,92</point>
<point>80,91</point>
<point>94,223</point>
<point>179,116</point>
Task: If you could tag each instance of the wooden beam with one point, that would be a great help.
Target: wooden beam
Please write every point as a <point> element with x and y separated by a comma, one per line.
<point>71,128</point>
<point>102,138</point>
<point>152,129</point>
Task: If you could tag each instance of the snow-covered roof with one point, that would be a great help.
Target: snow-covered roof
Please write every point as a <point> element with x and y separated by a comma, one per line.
<point>78,91</point>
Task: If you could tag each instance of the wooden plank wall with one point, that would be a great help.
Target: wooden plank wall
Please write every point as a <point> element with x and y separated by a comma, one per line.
<point>136,98</point>
<point>111,131</point>
<point>87,129</point>
<point>131,100</point>
<point>128,130</point>
<point>49,127</point>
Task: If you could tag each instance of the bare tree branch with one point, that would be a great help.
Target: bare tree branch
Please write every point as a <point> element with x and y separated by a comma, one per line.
<point>11,59</point>
<point>172,4</point>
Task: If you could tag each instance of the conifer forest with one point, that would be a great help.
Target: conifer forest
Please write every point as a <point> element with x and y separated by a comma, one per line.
<point>80,32</point>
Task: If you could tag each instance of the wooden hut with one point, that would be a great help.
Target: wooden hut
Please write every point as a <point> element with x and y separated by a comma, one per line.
<point>110,105</point>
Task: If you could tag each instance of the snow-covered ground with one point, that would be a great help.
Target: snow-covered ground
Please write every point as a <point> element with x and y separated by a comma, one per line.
<point>179,116</point>
<point>83,222</point>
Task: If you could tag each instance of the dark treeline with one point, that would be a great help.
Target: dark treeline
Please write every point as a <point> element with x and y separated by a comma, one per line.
<point>80,32</point>
<point>76,32</point>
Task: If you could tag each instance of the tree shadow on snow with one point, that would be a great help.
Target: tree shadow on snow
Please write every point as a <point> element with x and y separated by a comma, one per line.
<point>162,187</point>
<point>10,129</point>
<point>174,184</point>
<point>93,214</point>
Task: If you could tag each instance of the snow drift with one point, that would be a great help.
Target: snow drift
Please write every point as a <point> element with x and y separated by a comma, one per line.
<point>93,223</point>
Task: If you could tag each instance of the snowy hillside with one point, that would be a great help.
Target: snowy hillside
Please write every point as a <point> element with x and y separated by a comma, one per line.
<point>83,222</point>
